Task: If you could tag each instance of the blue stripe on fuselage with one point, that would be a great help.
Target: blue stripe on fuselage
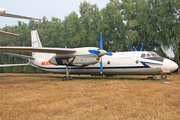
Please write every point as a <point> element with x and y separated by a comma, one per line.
<point>125,67</point>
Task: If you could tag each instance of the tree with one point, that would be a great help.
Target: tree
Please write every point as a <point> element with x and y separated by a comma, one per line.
<point>19,69</point>
<point>90,20</point>
<point>29,69</point>
<point>113,28</point>
<point>124,24</point>
<point>73,32</point>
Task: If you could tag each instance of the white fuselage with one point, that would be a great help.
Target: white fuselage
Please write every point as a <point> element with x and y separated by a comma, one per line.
<point>134,63</point>
<point>91,60</point>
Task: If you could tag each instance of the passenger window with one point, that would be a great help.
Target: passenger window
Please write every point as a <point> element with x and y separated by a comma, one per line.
<point>148,55</point>
<point>143,55</point>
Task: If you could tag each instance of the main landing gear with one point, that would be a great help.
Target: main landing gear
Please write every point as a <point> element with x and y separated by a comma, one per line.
<point>151,78</point>
<point>67,77</point>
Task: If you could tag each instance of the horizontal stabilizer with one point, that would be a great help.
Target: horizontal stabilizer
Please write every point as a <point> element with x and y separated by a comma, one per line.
<point>13,65</point>
<point>4,34</point>
<point>36,49</point>
<point>21,56</point>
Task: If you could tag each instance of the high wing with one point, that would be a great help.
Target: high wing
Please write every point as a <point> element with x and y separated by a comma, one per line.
<point>4,14</point>
<point>43,50</point>
<point>4,34</point>
<point>18,16</point>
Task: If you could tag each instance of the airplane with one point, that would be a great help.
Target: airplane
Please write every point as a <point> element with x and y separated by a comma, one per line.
<point>90,60</point>
<point>3,13</point>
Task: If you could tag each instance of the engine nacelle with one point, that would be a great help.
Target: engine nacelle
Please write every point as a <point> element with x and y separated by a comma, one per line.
<point>74,61</point>
<point>85,60</point>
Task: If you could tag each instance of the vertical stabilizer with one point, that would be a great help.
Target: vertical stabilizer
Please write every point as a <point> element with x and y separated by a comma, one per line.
<point>35,41</point>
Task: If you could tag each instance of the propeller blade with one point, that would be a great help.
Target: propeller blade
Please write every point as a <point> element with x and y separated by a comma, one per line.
<point>100,48</point>
<point>101,42</point>
<point>109,54</point>
<point>101,67</point>
<point>141,48</point>
<point>134,48</point>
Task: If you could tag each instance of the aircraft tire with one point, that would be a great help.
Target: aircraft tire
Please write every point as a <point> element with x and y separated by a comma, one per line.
<point>66,78</point>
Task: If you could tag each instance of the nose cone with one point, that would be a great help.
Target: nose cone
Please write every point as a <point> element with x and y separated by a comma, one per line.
<point>171,65</point>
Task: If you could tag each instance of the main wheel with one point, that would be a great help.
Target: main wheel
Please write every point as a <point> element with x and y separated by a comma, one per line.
<point>70,78</point>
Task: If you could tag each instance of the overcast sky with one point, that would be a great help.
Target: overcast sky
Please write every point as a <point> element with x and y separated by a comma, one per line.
<point>41,8</point>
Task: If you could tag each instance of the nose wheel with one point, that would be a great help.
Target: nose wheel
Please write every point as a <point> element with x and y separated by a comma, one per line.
<point>67,77</point>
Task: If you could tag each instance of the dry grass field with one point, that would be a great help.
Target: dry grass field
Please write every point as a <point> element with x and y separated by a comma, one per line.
<point>47,97</point>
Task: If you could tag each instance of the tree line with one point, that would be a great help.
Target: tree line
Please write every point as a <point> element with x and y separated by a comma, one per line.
<point>124,24</point>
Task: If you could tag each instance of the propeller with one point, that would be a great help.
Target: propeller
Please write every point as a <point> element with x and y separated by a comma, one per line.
<point>101,47</point>
<point>100,52</point>
<point>140,49</point>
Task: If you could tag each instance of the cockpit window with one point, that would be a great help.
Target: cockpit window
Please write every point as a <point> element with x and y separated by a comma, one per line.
<point>153,54</point>
<point>143,55</point>
<point>148,55</point>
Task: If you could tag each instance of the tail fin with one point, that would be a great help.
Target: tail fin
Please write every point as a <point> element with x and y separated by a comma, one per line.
<point>35,41</point>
